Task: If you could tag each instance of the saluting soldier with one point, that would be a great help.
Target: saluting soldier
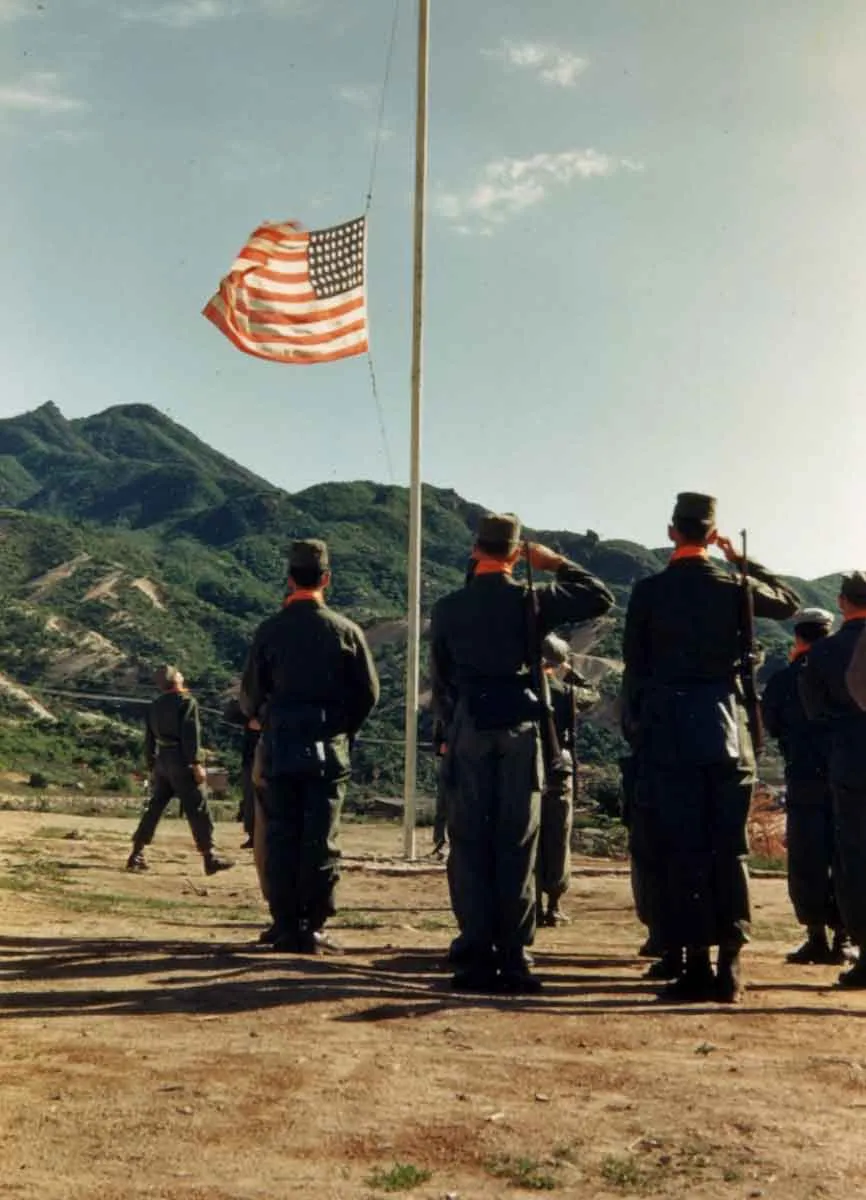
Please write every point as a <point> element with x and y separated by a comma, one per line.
<point>480,667</point>
<point>805,747</point>
<point>172,747</point>
<point>310,683</point>
<point>685,717</point>
<point>826,697</point>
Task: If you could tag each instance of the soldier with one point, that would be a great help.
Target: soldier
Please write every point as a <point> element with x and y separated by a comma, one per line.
<point>172,748</point>
<point>826,697</point>
<point>557,799</point>
<point>480,669</point>
<point>310,682</point>
<point>685,718</point>
<point>809,805</point>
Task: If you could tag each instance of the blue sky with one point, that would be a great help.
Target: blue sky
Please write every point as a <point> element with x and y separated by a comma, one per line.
<point>646,244</point>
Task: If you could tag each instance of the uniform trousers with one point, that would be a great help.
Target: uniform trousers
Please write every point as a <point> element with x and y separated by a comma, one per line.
<point>849,821</point>
<point>493,826</point>
<point>811,852</point>
<point>302,852</point>
<point>689,827</point>
<point>173,777</point>
<point>554,844</point>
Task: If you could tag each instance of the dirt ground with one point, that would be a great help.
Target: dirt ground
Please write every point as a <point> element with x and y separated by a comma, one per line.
<point>149,1048</point>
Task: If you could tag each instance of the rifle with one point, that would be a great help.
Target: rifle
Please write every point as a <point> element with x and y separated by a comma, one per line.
<point>748,654</point>
<point>572,693</point>
<point>550,749</point>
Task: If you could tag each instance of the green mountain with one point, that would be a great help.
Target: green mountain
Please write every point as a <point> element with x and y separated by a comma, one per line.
<point>125,540</point>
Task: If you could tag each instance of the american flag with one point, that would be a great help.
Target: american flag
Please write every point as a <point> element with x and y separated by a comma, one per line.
<point>294,296</point>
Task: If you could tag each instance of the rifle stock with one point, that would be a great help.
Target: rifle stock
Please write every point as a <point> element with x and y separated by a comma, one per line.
<point>748,654</point>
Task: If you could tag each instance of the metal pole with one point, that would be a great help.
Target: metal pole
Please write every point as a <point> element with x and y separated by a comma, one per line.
<point>410,771</point>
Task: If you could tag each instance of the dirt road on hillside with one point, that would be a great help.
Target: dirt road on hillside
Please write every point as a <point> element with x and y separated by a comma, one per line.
<point>148,1047</point>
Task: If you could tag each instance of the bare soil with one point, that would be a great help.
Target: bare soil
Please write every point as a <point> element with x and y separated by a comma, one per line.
<point>149,1047</point>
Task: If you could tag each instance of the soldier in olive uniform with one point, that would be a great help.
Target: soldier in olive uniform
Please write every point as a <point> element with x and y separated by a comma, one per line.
<point>557,799</point>
<point>825,696</point>
<point>310,682</point>
<point>684,715</point>
<point>482,692</point>
<point>805,747</point>
<point>172,747</point>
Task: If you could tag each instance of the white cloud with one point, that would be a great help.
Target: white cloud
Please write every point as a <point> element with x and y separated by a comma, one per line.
<point>180,14</point>
<point>185,14</point>
<point>38,92</point>
<point>12,10</point>
<point>551,63</point>
<point>358,97</point>
<point>509,186</point>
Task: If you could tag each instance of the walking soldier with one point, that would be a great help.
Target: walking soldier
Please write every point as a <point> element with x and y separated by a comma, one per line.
<point>172,746</point>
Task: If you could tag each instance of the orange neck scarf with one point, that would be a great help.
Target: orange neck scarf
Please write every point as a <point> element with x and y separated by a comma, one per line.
<point>683,552</point>
<point>799,649</point>
<point>485,565</point>
<point>855,614</point>
<point>314,594</point>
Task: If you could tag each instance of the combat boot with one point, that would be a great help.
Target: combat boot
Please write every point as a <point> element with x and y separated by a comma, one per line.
<point>729,977</point>
<point>554,915</point>
<point>696,984</point>
<point>670,966</point>
<point>815,949</point>
<point>137,861</point>
<point>843,949</point>
<point>854,977</point>
<point>213,863</point>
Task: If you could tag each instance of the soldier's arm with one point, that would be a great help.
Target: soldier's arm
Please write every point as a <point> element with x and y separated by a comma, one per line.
<point>362,683</point>
<point>190,731</point>
<point>575,595</point>
<point>254,690</point>
<point>635,656</point>
<point>816,698</point>
<point>441,682</point>
<point>855,676</point>
<point>771,706</point>
<point>772,597</point>
<point>149,744</point>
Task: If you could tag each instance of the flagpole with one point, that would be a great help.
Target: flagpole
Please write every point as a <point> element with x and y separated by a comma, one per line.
<point>410,772</point>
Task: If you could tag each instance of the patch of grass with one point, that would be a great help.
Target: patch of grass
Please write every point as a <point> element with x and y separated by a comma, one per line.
<point>402,1177</point>
<point>624,1172</point>
<point>435,924</point>
<point>768,862</point>
<point>357,920</point>
<point>520,1172</point>
<point>60,832</point>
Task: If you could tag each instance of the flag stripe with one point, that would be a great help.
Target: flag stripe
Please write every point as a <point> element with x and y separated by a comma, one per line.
<point>274,352</point>
<point>296,297</point>
<point>256,310</point>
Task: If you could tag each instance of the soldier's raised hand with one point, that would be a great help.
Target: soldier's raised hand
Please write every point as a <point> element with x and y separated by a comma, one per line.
<point>542,558</point>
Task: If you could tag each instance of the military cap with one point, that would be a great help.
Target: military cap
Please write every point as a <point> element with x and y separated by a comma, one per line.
<point>499,529</point>
<point>854,587</point>
<point>694,506</point>
<point>813,616</point>
<point>310,554</point>
<point>555,650</point>
<point>167,676</point>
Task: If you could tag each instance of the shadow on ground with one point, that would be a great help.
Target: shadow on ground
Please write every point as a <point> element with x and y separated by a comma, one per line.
<point>59,976</point>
